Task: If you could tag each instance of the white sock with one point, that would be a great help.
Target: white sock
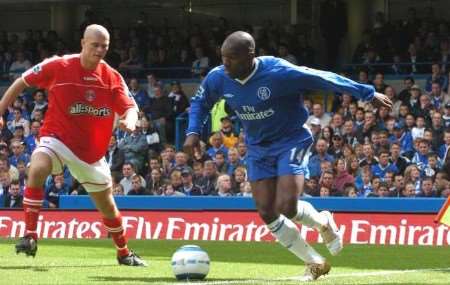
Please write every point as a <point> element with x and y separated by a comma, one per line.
<point>289,236</point>
<point>307,215</point>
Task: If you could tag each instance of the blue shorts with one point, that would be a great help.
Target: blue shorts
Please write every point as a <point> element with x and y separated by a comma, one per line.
<point>289,156</point>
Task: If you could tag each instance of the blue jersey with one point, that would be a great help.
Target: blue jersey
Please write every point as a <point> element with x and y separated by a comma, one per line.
<point>379,171</point>
<point>268,101</point>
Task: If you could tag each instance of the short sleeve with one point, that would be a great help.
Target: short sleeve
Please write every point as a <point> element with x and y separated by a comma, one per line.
<point>122,100</point>
<point>41,74</point>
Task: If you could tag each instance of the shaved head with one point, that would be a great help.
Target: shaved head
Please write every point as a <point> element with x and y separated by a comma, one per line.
<point>95,31</point>
<point>239,42</point>
<point>238,54</point>
<point>94,46</point>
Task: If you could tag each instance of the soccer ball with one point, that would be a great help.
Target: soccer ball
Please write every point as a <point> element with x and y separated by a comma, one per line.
<point>190,262</point>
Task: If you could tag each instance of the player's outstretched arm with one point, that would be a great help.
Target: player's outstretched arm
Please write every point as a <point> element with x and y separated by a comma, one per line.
<point>383,100</point>
<point>314,79</point>
<point>10,95</point>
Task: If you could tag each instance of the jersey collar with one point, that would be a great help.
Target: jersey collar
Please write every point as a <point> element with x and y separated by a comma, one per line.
<point>243,81</point>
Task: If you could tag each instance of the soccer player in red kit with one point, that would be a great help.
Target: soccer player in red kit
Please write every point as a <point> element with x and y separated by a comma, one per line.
<point>85,95</point>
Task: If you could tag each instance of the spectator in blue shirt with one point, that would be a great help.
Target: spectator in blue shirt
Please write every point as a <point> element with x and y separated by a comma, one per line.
<point>31,140</point>
<point>436,76</point>
<point>233,160</point>
<point>383,165</point>
<point>56,189</point>
<point>403,137</point>
<point>444,148</point>
<point>242,150</point>
<point>446,116</point>
<point>399,161</point>
<point>17,149</point>
<point>216,143</point>
<point>364,184</point>
<point>139,95</point>
<point>321,155</point>
<point>420,158</point>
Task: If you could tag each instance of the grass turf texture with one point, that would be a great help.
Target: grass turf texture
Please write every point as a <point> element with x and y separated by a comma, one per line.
<point>93,262</point>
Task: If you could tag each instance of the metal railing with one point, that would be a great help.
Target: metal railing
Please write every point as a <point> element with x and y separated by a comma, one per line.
<point>181,124</point>
<point>386,67</point>
<point>174,72</point>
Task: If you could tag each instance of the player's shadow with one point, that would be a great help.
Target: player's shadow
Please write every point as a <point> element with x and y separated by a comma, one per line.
<point>156,279</point>
<point>32,268</point>
<point>381,283</point>
<point>363,257</point>
<point>45,268</point>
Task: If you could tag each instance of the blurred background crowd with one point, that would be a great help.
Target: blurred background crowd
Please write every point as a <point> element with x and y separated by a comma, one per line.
<point>360,150</point>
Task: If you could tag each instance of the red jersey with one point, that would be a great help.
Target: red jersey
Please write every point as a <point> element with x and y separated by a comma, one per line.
<point>81,103</point>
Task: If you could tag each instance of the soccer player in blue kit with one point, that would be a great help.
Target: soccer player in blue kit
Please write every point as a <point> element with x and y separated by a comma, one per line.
<point>264,92</point>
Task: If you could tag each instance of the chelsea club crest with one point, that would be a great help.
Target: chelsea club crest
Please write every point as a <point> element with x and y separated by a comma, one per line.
<point>263,93</point>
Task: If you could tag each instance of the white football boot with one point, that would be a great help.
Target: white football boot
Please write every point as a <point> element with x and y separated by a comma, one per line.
<point>315,270</point>
<point>331,235</point>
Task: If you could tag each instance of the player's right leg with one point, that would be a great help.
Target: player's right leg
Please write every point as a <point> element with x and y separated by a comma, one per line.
<point>283,229</point>
<point>263,175</point>
<point>40,168</point>
<point>286,204</point>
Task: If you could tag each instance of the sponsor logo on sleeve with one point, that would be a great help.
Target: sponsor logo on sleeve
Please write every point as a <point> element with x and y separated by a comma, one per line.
<point>37,69</point>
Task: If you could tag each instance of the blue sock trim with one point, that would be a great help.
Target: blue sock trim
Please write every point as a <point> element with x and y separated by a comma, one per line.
<point>277,227</point>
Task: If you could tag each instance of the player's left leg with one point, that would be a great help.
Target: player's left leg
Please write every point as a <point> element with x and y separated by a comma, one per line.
<point>323,222</point>
<point>112,220</point>
<point>292,169</point>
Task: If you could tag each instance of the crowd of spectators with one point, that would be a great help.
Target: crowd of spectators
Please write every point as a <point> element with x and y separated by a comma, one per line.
<point>167,51</point>
<point>359,149</point>
<point>369,151</point>
<point>405,46</point>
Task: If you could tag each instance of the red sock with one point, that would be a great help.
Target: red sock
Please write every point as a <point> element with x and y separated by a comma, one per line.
<point>114,227</point>
<point>32,203</point>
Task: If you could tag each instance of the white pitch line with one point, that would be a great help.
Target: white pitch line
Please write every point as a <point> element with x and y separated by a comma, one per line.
<point>376,273</point>
<point>298,278</point>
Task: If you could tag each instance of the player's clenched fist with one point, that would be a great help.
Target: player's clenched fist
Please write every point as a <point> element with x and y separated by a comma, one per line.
<point>130,121</point>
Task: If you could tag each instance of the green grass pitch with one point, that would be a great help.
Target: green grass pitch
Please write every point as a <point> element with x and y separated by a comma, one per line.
<point>93,262</point>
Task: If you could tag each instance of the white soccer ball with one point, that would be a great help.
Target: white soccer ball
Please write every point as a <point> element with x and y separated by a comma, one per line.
<point>190,262</point>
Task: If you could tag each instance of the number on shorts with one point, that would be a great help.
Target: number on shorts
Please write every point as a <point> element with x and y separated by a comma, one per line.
<point>297,155</point>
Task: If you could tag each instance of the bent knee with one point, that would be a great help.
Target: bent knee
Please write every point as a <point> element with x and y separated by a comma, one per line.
<point>289,209</point>
<point>40,169</point>
<point>268,215</point>
<point>41,161</point>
